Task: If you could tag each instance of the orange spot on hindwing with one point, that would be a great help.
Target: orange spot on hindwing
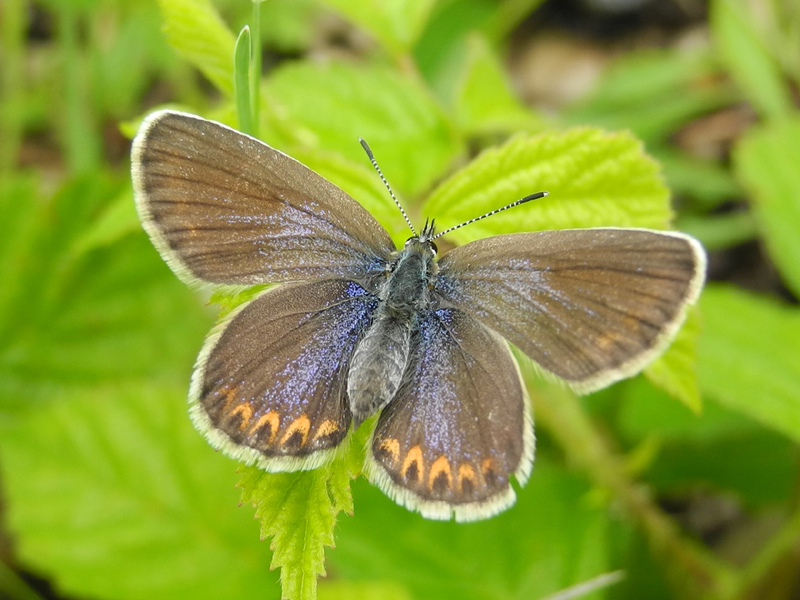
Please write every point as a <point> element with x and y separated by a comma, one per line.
<point>413,465</point>
<point>489,470</point>
<point>228,397</point>
<point>391,448</point>
<point>297,433</point>
<point>326,428</point>
<point>440,476</point>
<point>242,410</point>
<point>270,420</point>
<point>467,480</point>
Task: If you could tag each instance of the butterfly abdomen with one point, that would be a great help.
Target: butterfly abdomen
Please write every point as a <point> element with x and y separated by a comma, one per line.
<point>377,366</point>
<point>381,357</point>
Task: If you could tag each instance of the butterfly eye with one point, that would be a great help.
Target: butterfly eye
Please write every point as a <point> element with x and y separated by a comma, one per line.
<point>435,248</point>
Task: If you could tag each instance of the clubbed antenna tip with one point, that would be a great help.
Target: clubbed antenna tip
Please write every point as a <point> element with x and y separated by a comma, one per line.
<point>535,196</point>
<point>367,149</point>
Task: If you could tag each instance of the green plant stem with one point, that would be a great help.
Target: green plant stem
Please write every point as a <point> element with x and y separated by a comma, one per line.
<point>12,85</point>
<point>255,72</point>
<point>692,569</point>
<point>81,143</point>
<point>242,55</point>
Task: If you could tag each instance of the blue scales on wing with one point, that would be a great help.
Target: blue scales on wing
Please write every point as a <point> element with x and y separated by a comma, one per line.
<point>270,386</point>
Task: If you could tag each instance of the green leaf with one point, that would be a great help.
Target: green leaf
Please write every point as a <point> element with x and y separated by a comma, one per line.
<point>652,93</point>
<point>549,540</point>
<point>112,494</point>
<point>485,102</point>
<point>405,128</point>
<point>396,24</point>
<point>127,47</point>
<point>642,411</point>
<point>21,210</point>
<point>722,231</point>
<point>84,303</point>
<point>289,25</point>
<point>749,357</point>
<point>116,221</point>
<point>298,511</point>
<point>443,46</point>
<point>595,179</point>
<point>675,371</point>
<point>766,161</point>
<point>746,57</point>
<point>228,299</point>
<point>363,590</point>
<point>708,182</point>
<point>196,31</point>
<point>758,466</point>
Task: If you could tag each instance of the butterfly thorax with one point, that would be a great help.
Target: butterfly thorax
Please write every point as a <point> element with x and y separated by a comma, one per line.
<point>406,289</point>
<point>380,359</point>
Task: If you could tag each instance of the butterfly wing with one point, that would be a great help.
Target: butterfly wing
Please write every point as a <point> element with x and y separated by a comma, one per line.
<point>458,427</point>
<point>270,385</point>
<point>591,306</point>
<point>225,208</point>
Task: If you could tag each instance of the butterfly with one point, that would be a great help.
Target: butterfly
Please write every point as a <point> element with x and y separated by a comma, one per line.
<point>358,327</point>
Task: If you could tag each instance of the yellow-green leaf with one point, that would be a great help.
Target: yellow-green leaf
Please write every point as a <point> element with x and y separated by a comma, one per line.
<point>485,101</point>
<point>595,179</point>
<point>196,31</point>
<point>675,371</point>
<point>749,357</point>
<point>395,23</point>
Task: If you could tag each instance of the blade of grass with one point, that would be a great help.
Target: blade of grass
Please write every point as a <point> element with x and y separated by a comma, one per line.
<point>241,80</point>
<point>81,143</point>
<point>255,66</point>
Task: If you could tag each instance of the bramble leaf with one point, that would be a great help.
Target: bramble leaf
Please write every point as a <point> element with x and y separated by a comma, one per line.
<point>675,371</point>
<point>298,511</point>
<point>406,129</point>
<point>749,357</point>
<point>595,179</point>
<point>114,495</point>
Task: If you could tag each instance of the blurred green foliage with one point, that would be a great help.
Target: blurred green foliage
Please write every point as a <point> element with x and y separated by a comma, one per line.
<point>108,492</point>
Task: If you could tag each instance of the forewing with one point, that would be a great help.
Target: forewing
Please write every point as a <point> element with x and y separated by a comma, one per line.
<point>591,306</point>
<point>270,384</point>
<point>223,207</point>
<point>459,426</point>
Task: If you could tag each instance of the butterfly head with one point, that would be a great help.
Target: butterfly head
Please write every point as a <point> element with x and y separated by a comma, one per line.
<point>423,242</point>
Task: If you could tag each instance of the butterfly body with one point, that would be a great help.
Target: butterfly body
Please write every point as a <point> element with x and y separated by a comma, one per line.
<point>381,357</point>
<point>357,327</point>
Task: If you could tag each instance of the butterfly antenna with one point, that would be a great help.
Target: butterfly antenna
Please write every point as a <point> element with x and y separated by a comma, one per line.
<point>535,196</point>
<point>386,183</point>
